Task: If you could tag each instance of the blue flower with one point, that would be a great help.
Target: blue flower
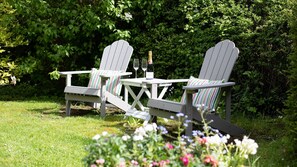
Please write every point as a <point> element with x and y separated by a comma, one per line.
<point>163,129</point>
<point>197,133</point>
<point>188,121</point>
<point>180,114</point>
<point>215,130</point>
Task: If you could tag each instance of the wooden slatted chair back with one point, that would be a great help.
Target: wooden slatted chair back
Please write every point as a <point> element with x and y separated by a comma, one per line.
<point>219,61</point>
<point>116,56</point>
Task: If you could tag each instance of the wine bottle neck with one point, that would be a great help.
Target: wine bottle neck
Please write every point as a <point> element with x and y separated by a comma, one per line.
<point>150,57</point>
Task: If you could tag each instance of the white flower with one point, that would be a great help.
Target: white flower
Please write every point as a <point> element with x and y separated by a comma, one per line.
<point>224,139</point>
<point>104,133</point>
<point>96,137</point>
<point>247,146</point>
<point>126,137</point>
<point>137,137</point>
<point>150,127</point>
<point>222,164</point>
<point>180,114</point>
<point>216,140</point>
<point>140,131</point>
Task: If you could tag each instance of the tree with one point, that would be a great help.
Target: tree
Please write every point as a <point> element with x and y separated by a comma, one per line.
<point>7,40</point>
<point>291,110</point>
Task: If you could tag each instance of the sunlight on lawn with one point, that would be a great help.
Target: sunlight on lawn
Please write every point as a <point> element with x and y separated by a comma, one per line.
<point>38,134</point>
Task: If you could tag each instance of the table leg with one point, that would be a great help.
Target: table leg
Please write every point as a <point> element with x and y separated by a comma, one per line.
<point>154,91</point>
<point>135,98</point>
<point>126,95</point>
<point>164,90</point>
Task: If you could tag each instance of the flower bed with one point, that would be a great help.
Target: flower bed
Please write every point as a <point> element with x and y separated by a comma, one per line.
<point>146,147</point>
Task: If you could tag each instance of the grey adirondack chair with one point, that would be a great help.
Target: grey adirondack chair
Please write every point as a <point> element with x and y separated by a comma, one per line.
<point>114,63</point>
<point>218,64</point>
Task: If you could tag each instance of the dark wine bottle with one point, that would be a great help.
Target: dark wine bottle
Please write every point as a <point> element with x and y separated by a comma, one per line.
<point>150,66</point>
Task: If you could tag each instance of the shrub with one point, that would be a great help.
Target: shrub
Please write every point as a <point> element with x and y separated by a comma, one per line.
<point>291,111</point>
<point>147,147</point>
<point>70,35</point>
<point>8,40</point>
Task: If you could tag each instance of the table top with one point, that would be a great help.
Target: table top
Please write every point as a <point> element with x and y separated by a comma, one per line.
<point>141,81</point>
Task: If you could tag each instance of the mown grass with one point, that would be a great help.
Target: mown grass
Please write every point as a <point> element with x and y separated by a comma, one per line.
<point>37,133</point>
<point>271,135</point>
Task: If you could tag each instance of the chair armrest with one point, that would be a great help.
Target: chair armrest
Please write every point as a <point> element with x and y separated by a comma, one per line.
<point>219,85</point>
<point>68,75</point>
<point>105,77</point>
<point>116,74</point>
<point>74,72</point>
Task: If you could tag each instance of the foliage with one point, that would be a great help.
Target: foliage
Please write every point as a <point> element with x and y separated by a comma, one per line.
<point>261,70</point>
<point>70,35</point>
<point>6,68</point>
<point>174,54</point>
<point>147,147</point>
<point>7,39</point>
<point>259,29</point>
<point>64,35</point>
<point>291,114</point>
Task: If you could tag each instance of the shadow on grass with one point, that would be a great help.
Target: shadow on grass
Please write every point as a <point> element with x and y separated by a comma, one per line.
<point>112,114</point>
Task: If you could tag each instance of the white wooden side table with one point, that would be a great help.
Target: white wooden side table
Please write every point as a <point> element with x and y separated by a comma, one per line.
<point>148,87</point>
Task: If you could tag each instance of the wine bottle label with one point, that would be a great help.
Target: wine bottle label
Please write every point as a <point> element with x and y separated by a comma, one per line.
<point>149,75</point>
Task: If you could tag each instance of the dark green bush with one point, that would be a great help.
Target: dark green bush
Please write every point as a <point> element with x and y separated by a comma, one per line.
<point>70,35</point>
<point>291,110</point>
<point>63,35</point>
<point>7,39</point>
<point>183,30</point>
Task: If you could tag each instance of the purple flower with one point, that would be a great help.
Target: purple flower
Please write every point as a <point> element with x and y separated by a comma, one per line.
<point>180,114</point>
<point>198,133</point>
<point>163,130</point>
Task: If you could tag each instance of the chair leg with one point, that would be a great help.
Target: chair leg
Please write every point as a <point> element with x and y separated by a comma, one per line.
<point>228,104</point>
<point>68,108</point>
<point>103,108</point>
<point>189,113</point>
<point>103,96</point>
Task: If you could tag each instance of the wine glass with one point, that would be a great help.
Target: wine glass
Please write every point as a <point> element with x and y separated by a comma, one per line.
<point>144,66</point>
<point>136,66</point>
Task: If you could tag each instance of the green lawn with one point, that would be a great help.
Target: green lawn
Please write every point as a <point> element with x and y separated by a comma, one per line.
<point>37,133</point>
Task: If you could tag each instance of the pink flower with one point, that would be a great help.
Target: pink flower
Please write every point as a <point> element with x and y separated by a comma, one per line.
<point>100,161</point>
<point>155,164</point>
<point>186,158</point>
<point>169,146</point>
<point>202,141</point>
<point>210,160</point>
<point>163,163</point>
<point>134,162</point>
<point>122,164</point>
<point>93,165</point>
